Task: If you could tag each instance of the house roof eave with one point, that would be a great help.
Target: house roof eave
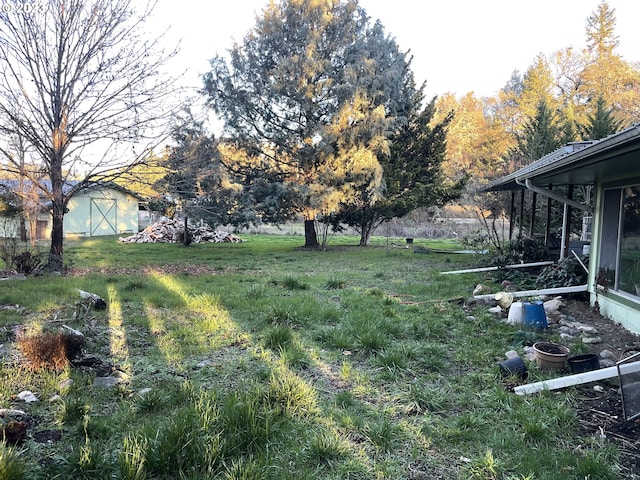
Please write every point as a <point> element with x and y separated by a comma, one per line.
<point>581,166</point>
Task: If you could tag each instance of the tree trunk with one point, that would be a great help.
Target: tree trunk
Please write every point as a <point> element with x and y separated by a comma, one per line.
<point>56,256</point>
<point>310,235</point>
<point>367,227</point>
<point>23,229</point>
<point>364,238</point>
<point>186,234</point>
<point>57,234</point>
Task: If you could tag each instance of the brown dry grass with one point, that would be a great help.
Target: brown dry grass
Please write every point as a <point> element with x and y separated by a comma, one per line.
<point>52,351</point>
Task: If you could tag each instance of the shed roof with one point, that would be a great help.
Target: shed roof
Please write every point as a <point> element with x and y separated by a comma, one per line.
<point>13,185</point>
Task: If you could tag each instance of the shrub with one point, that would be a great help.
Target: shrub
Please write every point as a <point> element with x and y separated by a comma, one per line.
<point>8,251</point>
<point>522,250</point>
<point>567,272</point>
<point>28,262</point>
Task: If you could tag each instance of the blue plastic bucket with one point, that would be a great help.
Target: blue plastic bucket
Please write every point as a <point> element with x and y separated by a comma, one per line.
<point>534,316</point>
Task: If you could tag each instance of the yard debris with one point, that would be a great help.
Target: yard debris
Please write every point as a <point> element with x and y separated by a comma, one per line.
<point>579,378</point>
<point>504,299</point>
<point>492,269</point>
<point>115,378</point>
<point>98,302</point>
<point>170,231</point>
<point>27,396</point>
<point>13,432</point>
<point>75,332</point>
<point>11,412</point>
<point>17,276</point>
<point>539,293</point>
<point>552,308</point>
<point>479,289</point>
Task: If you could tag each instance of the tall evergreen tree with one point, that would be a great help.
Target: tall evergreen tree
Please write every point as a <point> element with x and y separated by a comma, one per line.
<point>311,95</point>
<point>607,74</point>
<point>601,123</point>
<point>412,173</point>
<point>196,180</point>
<point>601,37</point>
<point>537,85</point>
<point>540,134</point>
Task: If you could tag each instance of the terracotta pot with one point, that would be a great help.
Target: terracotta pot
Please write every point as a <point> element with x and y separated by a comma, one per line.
<point>550,355</point>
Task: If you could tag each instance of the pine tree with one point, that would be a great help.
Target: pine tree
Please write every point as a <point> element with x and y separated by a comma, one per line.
<point>601,123</point>
<point>600,29</point>
<point>607,74</point>
<point>311,95</point>
<point>540,134</point>
<point>412,173</point>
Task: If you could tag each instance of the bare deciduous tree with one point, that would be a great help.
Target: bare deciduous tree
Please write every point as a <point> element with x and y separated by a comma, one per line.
<point>81,83</point>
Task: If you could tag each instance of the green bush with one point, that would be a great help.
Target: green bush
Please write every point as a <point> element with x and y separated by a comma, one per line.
<point>567,272</point>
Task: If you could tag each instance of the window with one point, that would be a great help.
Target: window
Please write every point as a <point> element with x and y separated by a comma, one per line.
<point>620,247</point>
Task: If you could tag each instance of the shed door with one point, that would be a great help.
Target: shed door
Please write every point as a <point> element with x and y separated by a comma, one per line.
<point>103,216</point>
<point>41,229</point>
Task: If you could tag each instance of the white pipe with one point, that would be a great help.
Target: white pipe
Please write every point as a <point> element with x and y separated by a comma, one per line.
<point>563,241</point>
<point>544,291</point>
<point>580,261</point>
<point>490,269</point>
<point>551,194</point>
<point>578,378</point>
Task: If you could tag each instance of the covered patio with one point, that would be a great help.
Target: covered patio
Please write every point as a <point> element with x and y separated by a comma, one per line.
<point>610,171</point>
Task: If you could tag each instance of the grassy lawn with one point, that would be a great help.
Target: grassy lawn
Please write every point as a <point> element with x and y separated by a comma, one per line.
<point>262,360</point>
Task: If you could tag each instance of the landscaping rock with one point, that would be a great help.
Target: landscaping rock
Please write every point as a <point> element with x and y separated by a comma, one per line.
<point>572,332</point>
<point>607,354</point>
<point>529,353</point>
<point>65,383</point>
<point>27,396</point>
<point>591,340</point>
<point>106,382</point>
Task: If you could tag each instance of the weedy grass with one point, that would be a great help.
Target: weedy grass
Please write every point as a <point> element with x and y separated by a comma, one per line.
<point>266,360</point>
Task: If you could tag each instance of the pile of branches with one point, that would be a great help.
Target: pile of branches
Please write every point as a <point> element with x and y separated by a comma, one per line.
<point>172,231</point>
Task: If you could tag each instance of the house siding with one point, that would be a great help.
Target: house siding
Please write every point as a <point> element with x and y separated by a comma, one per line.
<point>620,307</point>
<point>9,227</point>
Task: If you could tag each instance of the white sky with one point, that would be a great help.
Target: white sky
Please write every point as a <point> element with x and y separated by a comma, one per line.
<point>458,46</point>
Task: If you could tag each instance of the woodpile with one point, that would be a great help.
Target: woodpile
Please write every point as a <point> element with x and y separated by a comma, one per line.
<point>170,231</point>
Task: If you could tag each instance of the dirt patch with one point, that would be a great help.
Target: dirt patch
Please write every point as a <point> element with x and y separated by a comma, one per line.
<point>614,336</point>
<point>47,436</point>
<point>599,410</point>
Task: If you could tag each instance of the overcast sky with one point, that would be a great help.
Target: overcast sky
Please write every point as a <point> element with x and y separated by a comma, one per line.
<point>458,46</point>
